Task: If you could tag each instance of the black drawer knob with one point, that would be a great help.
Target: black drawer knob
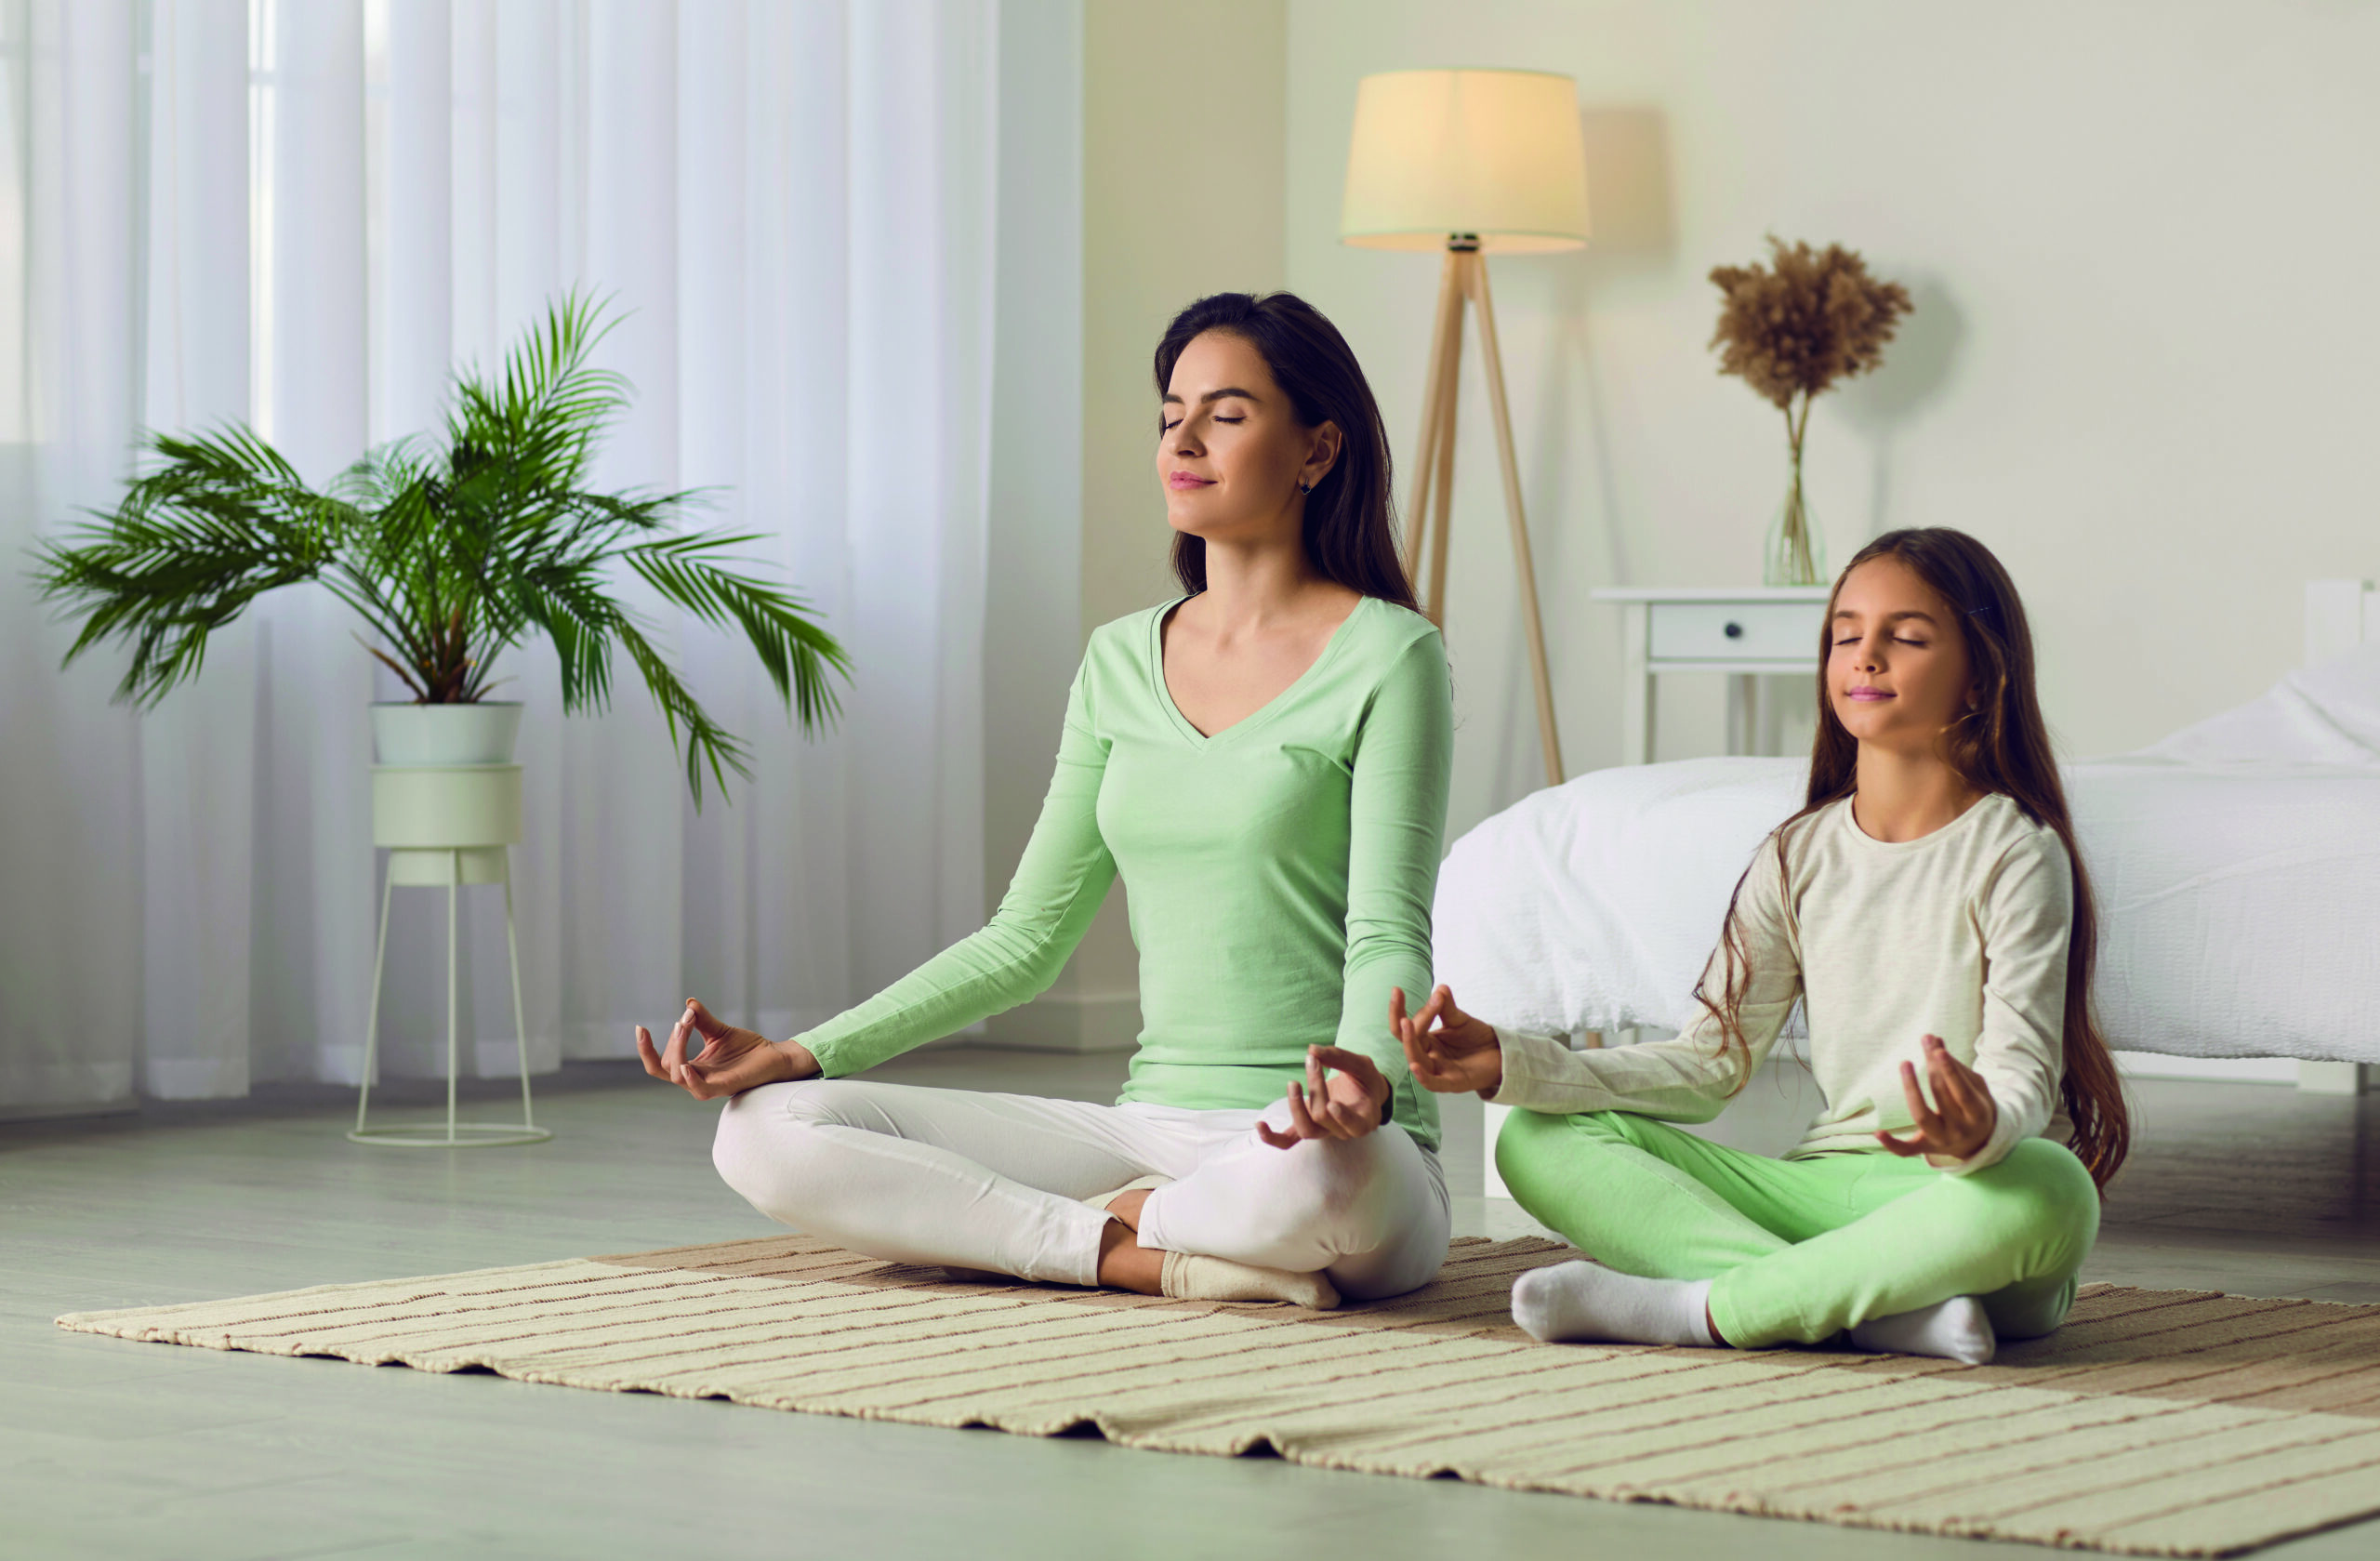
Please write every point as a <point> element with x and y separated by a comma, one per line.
<point>1735,631</point>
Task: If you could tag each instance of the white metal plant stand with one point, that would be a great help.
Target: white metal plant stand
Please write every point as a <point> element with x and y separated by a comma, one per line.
<point>446,826</point>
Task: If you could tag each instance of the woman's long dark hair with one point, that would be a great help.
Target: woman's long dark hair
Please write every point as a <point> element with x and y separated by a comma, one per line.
<point>1350,520</point>
<point>2001,744</point>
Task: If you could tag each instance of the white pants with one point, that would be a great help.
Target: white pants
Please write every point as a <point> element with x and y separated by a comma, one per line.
<point>994,1182</point>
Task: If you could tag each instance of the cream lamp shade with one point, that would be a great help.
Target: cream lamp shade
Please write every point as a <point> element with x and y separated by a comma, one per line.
<point>1496,153</point>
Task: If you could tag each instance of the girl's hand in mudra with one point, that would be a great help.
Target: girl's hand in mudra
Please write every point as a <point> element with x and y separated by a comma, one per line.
<point>1961,1119</point>
<point>729,1061</point>
<point>1347,1104</point>
<point>1460,1055</point>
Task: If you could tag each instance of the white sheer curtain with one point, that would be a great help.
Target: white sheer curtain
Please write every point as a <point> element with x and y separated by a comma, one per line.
<point>300,213</point>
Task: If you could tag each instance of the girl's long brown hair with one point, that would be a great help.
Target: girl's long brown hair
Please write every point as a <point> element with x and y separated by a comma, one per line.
<point>2001,744</point>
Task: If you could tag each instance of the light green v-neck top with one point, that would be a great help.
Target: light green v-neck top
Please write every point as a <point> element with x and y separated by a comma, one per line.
<point>1280,871</point>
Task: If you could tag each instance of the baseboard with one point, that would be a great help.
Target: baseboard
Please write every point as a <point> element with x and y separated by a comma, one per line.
<point>2314,1077</point>
<point>2336,1079</point>
<point>1069,1022</point>
<point>13,1114</point>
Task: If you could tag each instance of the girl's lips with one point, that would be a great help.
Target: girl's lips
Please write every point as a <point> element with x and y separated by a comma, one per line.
<point>1869,693</point>
<point>1184,479</point>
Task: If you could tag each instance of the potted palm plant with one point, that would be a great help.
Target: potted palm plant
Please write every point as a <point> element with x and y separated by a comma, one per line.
<point>452,549</point>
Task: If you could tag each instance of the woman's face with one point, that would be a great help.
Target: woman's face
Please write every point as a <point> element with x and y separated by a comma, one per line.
<point>1897,667</point>
<point>1231,453</point>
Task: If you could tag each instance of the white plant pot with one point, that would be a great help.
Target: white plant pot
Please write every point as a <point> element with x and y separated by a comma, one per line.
<point>432,735</point>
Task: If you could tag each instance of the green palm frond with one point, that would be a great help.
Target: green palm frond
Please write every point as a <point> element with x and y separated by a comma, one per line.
<point>451,549</point>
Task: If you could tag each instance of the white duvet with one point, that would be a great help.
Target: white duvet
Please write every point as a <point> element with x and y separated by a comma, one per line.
<point>2237,867</point>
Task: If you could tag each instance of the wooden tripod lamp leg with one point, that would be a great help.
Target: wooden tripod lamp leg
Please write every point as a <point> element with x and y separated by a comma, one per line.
<point>1476,285</point>
<point>1426,449</point>
<point>1450,377</point>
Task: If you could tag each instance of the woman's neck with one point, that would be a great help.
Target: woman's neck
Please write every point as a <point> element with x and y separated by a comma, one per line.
<point>1907,795</point>
<point>1254,586</point>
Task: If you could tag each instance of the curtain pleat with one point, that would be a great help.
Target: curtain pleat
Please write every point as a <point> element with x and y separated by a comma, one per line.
<point>302,215</point>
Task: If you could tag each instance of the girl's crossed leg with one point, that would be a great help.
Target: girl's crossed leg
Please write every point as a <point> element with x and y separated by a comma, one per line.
<point>1799,1250</point>
<point>996,1181</point>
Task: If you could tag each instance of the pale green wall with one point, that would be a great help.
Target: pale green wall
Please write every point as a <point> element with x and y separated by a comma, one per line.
<point>2142,240</point>
<point>1173,122</point>
<point>1184,171</point>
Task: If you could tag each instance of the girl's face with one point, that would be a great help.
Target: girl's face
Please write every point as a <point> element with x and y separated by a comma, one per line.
<point>1897,666</point>
<point>1231,453</point>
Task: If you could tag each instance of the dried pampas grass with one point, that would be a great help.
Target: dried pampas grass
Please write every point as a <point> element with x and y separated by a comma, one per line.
<point>1789,330</point>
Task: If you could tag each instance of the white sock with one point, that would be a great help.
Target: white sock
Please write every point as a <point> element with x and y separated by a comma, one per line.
<point>1952,1329</point>
<point>1191,1277</point>
<point>1579,1302</point>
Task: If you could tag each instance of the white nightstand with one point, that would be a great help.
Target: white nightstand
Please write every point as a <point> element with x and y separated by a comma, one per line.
<point>1747,632</point>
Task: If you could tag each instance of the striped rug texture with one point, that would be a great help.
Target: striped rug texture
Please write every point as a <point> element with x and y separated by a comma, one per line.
<point>2157,1422</point>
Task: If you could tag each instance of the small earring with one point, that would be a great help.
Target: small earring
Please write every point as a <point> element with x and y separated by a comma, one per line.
<point>1305,487</point>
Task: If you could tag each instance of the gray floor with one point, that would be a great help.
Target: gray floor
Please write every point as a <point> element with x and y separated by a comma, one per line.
<point>115,1449</point>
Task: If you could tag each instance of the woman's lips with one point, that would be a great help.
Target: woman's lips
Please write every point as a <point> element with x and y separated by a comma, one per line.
<point>1869,693</point>
<point>1186,480</point>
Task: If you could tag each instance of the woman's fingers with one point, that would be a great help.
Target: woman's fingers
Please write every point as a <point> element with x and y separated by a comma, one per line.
<point>673,1056</point>
<point>1274,1137</point>
<point>705,1023</point>
<point>646,1054</point>
<point>1904,1147</point>
<point>1300,1118</point>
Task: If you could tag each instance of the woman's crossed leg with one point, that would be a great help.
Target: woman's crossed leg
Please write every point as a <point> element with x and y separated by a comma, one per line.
<point>997,1182</point>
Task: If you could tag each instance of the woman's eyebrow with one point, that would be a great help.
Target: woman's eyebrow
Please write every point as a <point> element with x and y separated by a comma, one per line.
<point>1889,617</point>
<point>1218,395</point>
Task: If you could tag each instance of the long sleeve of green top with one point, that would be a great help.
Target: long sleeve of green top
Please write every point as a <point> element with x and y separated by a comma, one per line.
<point>1280,871</point>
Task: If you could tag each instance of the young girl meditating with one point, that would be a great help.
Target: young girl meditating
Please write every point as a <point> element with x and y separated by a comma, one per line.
<point>1927,909</point>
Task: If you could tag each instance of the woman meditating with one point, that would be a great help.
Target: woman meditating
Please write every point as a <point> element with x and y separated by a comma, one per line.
<point>1928,910</point>
<point>1264,761</point>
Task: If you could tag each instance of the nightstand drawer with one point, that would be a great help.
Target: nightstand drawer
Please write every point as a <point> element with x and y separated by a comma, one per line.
<point>1724,631</point>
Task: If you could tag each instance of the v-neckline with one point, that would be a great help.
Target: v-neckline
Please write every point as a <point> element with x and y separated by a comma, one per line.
<point>1262,712</point>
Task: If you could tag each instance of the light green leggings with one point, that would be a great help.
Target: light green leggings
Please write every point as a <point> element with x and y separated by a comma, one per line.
<point>1800,1249</point>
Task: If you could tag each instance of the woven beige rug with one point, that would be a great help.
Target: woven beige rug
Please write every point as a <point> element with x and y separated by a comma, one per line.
<point>2156,1423</point>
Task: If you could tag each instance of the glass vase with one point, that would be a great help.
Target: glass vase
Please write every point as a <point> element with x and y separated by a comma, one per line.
<point>1797,552</point>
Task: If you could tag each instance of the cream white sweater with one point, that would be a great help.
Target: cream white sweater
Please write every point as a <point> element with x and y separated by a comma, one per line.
<point>1961,933</point>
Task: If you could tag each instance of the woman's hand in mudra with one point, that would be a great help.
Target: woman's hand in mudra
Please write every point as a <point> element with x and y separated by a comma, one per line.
<point>1449,1051</point>
<point>1347,1104</point>
<point>1961,1119</point>
<point>729,1061</point>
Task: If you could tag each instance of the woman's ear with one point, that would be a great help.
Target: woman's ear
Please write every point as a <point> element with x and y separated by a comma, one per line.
<point>1321,456</point>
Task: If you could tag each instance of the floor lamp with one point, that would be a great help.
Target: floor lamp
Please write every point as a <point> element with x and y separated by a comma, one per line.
<point>1473,163</point>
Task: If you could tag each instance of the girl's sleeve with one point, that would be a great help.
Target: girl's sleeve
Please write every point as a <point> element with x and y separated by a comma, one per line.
<point>2027,916</point>
<point>1397,826</point>
<point>1687,1079</point>
<point>1059,883</point>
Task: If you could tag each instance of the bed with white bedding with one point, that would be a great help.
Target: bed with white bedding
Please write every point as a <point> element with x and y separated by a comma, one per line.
<point>2236,868</point>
